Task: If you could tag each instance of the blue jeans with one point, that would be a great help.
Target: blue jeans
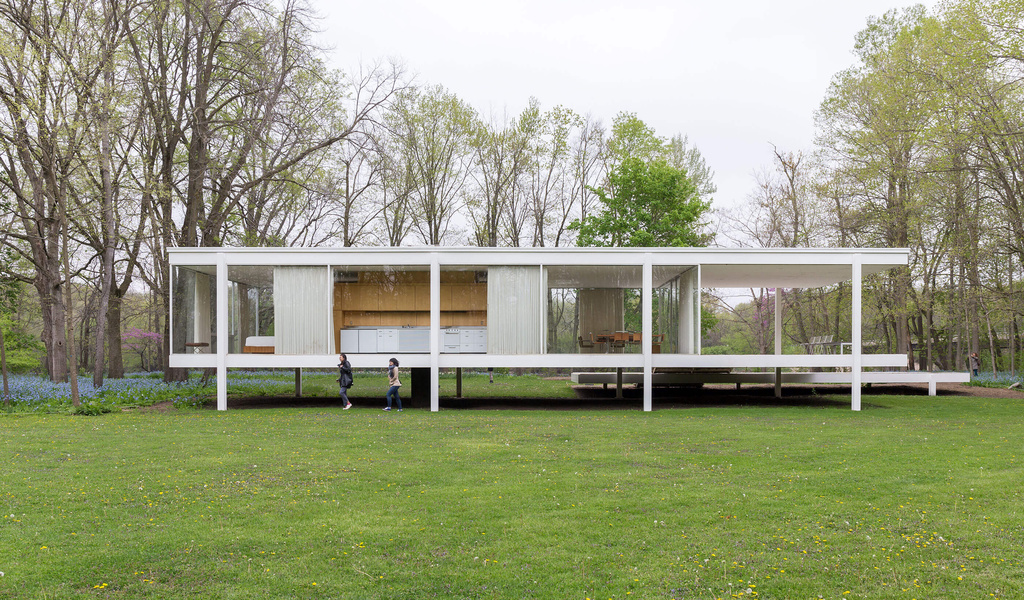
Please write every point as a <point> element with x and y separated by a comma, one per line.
<point>393,393</point>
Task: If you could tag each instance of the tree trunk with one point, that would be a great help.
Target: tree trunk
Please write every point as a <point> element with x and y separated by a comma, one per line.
<point>3,369</point>
<point>991,344</point>
<point>69,313</point>
<point>1013,324</point>
<point>115,357</point>
<point>54,332</point>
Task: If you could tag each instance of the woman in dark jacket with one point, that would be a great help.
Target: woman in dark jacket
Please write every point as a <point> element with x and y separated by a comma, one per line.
<point>344,379</point>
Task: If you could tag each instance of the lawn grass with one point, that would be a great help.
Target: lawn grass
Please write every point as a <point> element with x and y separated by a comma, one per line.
<point>913,497</point>
<point>35,394</point>
<point>373,384</point>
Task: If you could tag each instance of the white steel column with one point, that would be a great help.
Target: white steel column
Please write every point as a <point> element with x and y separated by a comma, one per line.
<point>778,340</point>
<point>222,331</point>
<point>542,300</point>
<point>647,329</point>
<point>435,332</point>
<point>855,337</point>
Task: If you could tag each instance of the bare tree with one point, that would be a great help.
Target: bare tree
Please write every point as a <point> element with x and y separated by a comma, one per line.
<point>434,128</point>
<point>47,76</point>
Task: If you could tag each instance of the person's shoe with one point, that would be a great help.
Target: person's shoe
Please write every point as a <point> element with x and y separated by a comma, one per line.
<point>387,408</point>
<point>399,410</point>
<point>348,407</point>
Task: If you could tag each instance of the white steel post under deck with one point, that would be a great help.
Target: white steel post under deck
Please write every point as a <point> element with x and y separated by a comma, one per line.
<point>778,340</point>
<point>222,331</point>
<point>647,327</point>
<point>435,332</point>
<point>855,337</point>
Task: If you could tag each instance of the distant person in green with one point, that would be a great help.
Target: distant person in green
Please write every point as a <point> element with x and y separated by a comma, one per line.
<point>393,385</point>
<point>975,363</point>
<point>344,379</point>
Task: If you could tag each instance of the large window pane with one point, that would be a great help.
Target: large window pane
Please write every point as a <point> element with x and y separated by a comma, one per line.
<point>251,309</point>
<point>381,309</point>
<point>594,309</point>
<point>676,310</point>
<point>194,309</point>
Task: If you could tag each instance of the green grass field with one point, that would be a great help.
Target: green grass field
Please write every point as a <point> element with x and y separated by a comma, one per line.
<point>914,497</point>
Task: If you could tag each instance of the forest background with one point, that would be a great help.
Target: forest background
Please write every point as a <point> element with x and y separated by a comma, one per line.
<point>127,128</point>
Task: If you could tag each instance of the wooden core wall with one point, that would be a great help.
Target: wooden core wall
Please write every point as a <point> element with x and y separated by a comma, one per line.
<point>397,299</point>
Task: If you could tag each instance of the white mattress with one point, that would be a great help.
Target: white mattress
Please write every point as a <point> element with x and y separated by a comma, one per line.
<point>259,340</point>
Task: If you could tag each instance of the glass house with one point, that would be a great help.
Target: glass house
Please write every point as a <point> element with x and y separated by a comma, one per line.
<point>634,310</point>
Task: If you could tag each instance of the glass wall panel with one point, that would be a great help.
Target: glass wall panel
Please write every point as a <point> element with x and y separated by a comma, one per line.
<point>194,309</point>
<point>382,308</point>
<point>676,310</point>
<point>280,309</point>
<point>594,309</point>
<point>251,309</point>
<point>467,323</point>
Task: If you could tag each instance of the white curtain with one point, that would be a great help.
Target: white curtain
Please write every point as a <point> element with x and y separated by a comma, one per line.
<point>601,311</point>
<point>302,297</point>
<point>689,313</point>
<point>203,325</point>
<point>516,305</point>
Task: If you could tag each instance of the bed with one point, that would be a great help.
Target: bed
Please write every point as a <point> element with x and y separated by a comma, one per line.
<point>259,344</point>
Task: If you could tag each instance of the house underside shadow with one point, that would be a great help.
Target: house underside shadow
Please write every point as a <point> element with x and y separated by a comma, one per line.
<point>598,398</point>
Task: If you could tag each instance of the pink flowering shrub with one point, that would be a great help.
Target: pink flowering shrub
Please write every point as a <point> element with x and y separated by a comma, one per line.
<point>144,343</point>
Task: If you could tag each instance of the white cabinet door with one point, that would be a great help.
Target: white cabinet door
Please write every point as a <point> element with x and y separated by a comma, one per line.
<point>414,340</point>
<point>350,341</point>
<point>450,342</point>
<point>473,341</point>
<point>367,341</point>
<point>387,340</point>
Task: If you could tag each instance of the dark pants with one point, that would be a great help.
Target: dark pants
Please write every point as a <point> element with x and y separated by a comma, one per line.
<point>344,397</point>
<point>393,394</point>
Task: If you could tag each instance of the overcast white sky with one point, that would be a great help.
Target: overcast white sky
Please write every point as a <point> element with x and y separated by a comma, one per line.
<point>736,76</point>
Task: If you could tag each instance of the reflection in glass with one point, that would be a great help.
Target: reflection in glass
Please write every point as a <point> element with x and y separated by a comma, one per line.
<point>194,310</point>
<point>251,309</point>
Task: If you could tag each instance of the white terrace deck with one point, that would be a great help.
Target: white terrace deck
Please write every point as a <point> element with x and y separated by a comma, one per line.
<point>740,377</point>
<point>723,369</point>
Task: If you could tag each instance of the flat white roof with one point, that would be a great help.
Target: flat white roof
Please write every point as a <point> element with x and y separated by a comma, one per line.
<point>720,267</point>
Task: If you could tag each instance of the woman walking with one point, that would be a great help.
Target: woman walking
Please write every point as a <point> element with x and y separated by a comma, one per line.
<point>344,379</point>
<point>393,384</point>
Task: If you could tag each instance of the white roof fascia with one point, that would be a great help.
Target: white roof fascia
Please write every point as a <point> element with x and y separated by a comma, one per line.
<point>721,267</point>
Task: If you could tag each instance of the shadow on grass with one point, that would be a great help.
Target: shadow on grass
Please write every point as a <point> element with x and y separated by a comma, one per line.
<point>598,398</point>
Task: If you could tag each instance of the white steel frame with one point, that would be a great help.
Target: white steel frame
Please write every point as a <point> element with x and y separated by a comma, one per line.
<point>716,268</point>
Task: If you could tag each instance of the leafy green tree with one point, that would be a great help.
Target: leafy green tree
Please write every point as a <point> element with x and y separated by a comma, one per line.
<point>683,155</point>
<point>653,204</point>
<point>875,122</point>
<point>632,138</point>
